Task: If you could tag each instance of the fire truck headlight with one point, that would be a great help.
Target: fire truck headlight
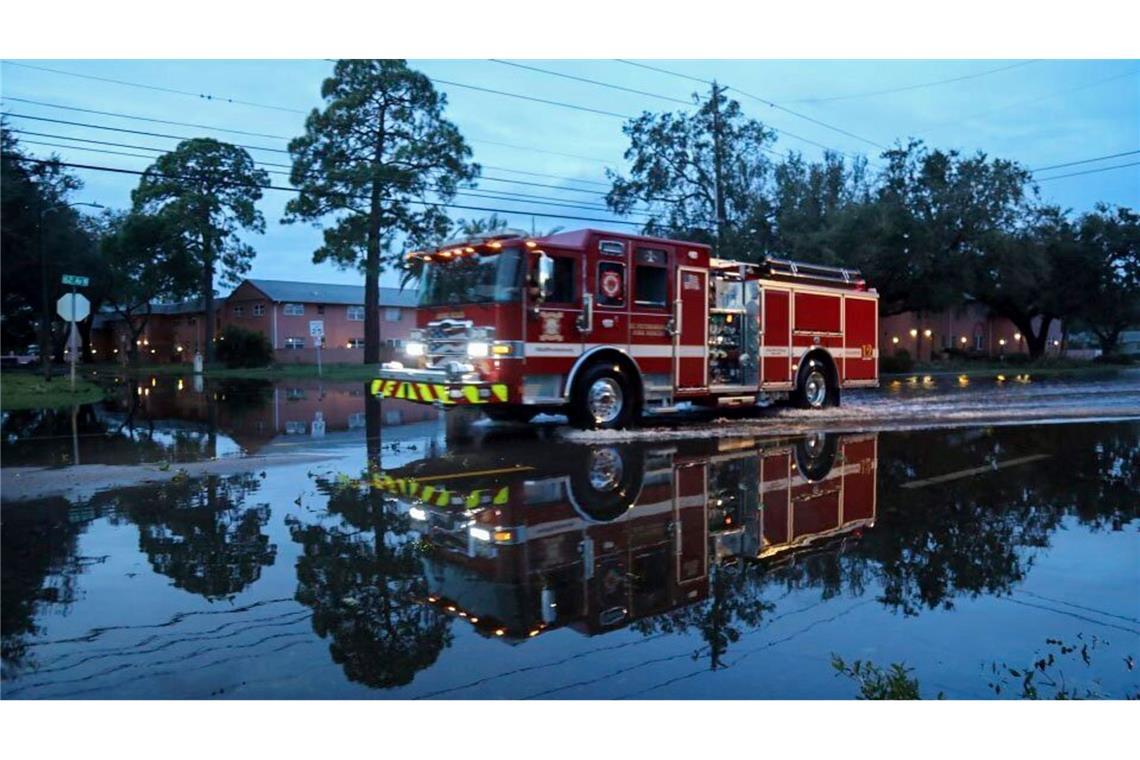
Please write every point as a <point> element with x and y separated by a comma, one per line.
<point>417,514</point>
<point>481,534</point>
<point>414,348</point>
<point>477,349</point>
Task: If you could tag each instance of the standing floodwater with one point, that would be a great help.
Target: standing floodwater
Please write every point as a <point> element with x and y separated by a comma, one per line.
<point>527,565</point>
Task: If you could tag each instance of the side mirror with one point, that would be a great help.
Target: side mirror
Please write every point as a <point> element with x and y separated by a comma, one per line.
<point>542,273</point>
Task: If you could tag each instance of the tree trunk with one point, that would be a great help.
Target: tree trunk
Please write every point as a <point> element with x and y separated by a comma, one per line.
<point>208,307</point>
<point>1108,341</point>
<point>1035,341</point>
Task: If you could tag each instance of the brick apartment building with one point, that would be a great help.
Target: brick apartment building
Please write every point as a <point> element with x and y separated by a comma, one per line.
<point>969,328</point>
<point>281,310</point>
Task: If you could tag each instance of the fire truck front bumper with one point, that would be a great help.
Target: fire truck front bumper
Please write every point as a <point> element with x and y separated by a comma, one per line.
<point>433,387</point>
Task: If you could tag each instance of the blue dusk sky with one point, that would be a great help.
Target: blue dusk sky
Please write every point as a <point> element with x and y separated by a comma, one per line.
<point>1039,112</point>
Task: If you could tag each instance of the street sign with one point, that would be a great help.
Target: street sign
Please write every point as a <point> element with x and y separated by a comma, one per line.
<point>317,328</point>
<point>73,307</point>
<point>76,280</point>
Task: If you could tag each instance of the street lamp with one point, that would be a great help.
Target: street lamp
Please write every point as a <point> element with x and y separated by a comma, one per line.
<point>45,316</point>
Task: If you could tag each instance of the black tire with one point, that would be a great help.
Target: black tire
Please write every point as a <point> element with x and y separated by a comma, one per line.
<point>815,455</point>
<point>597,383</point>
<point>816,386</point>
<point>607,482</point>
<point>509,413</point>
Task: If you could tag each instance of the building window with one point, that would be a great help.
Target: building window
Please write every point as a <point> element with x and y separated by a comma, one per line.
<point>294,309</point>
<point>392,314</point>
<point>356,420</point>
<point>295,427</point>
<point>320,308</point>
<point>355,313</point>
<point>294,394</point>
<point>979,342</point>
<point>258,309</point>
<point>239,311</point>
<point>294,343</point>
<point>356,343</point>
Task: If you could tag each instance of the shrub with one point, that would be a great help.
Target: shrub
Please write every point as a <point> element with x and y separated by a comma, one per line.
<point>900,362</point>
<point>238,347</point>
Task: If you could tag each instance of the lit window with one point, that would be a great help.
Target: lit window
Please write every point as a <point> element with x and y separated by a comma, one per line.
<point>355,343</point>
<point>294,309</point>
<point>355,313</point>
<point>294,343</point>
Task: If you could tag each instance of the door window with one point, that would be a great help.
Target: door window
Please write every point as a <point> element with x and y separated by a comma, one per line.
<point>611,283</point>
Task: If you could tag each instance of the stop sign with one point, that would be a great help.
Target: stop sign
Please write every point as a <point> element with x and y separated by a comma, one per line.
<point>73,308</point>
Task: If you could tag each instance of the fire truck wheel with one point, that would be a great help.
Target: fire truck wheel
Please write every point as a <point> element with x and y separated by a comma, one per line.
<point>815,455</point>
<point>607,483</point>
<point>814,386</point>
<point>602,399</point>
<point>509,413</point>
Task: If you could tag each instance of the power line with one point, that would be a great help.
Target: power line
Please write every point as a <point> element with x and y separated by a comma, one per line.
<point>535,100</point>
<point>770,104</point>
<point>592,81</point>
<point>498,195</point>
<point>1089,171</point>
<point>145,118</point>
<point>282,151</point>
<point>919,86</point>
<point>136,172</point>
<point>1085,161</point>
<point>156,88</point>
<point>663,71</point>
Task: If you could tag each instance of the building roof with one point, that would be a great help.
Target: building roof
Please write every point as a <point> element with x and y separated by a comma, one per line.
<point>291,291</point>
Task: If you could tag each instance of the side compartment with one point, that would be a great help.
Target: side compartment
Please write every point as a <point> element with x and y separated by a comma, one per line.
<point>861,336</point>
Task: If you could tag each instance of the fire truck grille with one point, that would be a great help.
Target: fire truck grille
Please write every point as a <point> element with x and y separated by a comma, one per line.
<point>445,342</point>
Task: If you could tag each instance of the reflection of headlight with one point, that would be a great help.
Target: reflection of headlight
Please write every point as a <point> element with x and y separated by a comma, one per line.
<point>414,348</point>
<point>480,533</point>
<point>477,349</point>
<point>417,514</point>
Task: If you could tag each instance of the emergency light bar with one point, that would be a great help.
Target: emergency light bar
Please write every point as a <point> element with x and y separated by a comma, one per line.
<point>460,246</point>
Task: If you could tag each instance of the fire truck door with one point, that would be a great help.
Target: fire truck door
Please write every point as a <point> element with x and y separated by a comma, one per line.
<point>690,344</point>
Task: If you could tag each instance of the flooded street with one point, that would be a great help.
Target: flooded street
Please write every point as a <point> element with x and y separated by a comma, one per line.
<point>299,539</point>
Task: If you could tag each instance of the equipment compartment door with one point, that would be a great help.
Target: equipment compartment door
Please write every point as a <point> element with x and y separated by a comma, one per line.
<point>691,341</point>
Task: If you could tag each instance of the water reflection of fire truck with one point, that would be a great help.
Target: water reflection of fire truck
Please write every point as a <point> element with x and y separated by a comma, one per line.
<point>604,326</point>
<point>606,535</point>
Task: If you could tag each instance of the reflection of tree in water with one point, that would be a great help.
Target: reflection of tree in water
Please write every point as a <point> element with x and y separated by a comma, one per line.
<point>364,581</point>
<point>971,536</point>
<point>978,534</point>
<point>734,605</point>
<point>38,570</point>
<point>200,533</point>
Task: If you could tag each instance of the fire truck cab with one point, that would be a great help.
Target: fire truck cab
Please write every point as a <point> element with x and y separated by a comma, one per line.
<point>603,326</point>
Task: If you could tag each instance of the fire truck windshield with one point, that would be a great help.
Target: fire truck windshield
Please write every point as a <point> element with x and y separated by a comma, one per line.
<point>491,278</point>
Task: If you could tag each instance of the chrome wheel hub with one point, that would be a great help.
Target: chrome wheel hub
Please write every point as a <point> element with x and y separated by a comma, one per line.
<point>605,470</point>
<point>815,389</point>
<point>604,400</point>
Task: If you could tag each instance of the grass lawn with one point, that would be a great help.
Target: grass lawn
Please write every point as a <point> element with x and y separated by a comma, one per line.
<point>27,390</point>
<point>1042,368</point>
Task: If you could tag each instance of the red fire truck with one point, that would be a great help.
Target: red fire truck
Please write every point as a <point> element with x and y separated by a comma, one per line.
<point>603,326</point>
<point>593,538</point>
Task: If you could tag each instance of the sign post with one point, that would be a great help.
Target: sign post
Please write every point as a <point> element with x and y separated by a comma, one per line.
<point>317,331</point>
<point>73,308</point>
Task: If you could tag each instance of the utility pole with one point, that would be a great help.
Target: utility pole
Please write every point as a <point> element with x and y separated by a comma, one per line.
<point>718,165</point>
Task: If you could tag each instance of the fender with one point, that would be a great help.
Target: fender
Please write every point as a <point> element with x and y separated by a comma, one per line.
<point>585,359</point>
<point>813,349</point>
